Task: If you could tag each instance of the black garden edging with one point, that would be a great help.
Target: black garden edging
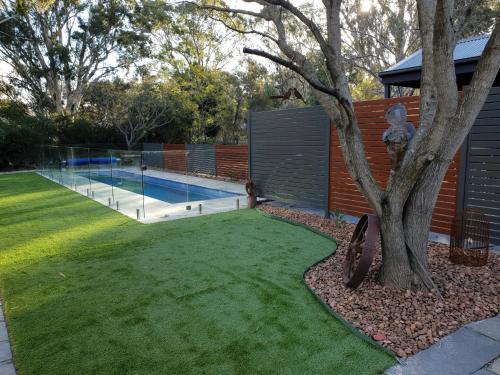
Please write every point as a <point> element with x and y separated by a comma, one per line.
<point>348,325</point>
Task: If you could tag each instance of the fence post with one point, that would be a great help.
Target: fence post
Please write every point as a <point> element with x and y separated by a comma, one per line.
<point>327,167</point>
<point>462,174</point>
<point>249,142</point>
<point>216,171</point>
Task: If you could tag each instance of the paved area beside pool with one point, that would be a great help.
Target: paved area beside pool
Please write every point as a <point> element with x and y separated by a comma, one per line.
<point>471,350</point>
<point>148,209</point>
<point>212,183</point>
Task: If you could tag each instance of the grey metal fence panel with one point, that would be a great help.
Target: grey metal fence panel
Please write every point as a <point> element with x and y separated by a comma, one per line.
<point>154,158</point>
<point>480,176</point>
<point>289,155</point>
<point>201,158</point>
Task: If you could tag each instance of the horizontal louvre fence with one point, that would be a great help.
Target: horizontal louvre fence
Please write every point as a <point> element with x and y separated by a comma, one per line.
<point>289,155</point>
<point>201,159</point>
<point>232,161</point>
<point>153,159</point>
<point>344,194</point>
<point>482,167</point>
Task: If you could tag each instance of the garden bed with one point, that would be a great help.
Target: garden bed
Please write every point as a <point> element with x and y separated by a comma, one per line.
<point>402,320</point>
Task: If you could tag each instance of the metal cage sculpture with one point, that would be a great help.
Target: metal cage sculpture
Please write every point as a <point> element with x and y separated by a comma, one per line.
<point>470,238</point>
<point>362,250</point>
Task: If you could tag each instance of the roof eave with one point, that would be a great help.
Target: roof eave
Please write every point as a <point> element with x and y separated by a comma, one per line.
<point>418,68</point>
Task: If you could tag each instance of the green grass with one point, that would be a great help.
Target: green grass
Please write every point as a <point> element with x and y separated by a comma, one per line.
<point>89,291</point>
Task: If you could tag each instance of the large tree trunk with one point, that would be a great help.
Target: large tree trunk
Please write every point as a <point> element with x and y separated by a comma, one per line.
<point>405,231</point>
<point>396,268</point>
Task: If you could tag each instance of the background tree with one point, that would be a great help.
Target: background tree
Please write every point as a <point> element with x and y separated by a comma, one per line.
<point>214,100</point>
<point>20,135</point>
<point>134,109</point>
<point>191,38</point>
<point>55,51</point>
<point>405,206</point>
<point>257,86</point>
<point>148,109</point>
<point>386,31</point>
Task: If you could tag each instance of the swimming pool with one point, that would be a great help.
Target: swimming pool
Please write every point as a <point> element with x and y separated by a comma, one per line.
<point>157,188</point>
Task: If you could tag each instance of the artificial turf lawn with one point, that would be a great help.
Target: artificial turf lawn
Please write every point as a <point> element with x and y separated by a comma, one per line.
<point>89,291</point>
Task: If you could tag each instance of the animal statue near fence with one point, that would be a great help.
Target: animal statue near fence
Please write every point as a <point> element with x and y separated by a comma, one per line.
<point>398,135</point>
<point>251,190</point>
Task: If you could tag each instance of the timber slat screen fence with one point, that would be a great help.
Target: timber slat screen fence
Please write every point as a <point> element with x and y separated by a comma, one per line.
<point>473,182</point>
<point>344,194</point>
<point>227,161</point>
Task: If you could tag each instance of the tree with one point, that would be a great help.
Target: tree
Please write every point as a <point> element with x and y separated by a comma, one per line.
<point>106,102</point>
<point>386,32</point>
<point>134,109</point>
<point>21,134</point>
<point>256,85</point>
<point>56,49</point>
<point>192,38</point>
<point>214,100</point>
<point>380,36</point>
<point>148,109</point>
<point>405,206</point>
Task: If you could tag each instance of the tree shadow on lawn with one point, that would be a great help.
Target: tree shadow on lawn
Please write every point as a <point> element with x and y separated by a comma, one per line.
<point>218,294</point>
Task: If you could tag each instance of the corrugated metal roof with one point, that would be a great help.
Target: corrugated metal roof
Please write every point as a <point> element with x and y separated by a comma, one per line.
<point>465,49</point>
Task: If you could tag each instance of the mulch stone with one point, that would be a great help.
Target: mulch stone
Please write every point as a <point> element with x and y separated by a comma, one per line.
<point>404,321</point>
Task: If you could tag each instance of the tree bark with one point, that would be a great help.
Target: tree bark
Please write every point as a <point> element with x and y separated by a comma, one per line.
<point>405,229</point>
<point>396,271</point>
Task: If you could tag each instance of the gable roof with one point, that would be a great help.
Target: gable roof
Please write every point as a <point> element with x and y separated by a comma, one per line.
<point>466,50</point>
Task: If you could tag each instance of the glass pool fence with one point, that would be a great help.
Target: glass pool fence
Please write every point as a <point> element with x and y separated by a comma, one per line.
<point>145,185</point>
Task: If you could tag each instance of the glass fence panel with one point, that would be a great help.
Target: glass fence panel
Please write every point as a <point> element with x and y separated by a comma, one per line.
<point>174,161</point>
<point>201,160</point>
<point>78,163</point>
<point>54,163</point>
<point>65,177</point>
<point>99,170</point>
<point>176,187</point>
<point>151,185</point>
<point>127,183</point>
<point>42,160</point>
<point>70,169</point>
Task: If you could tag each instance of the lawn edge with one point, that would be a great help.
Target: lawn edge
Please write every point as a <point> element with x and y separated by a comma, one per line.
<point>332,312</point>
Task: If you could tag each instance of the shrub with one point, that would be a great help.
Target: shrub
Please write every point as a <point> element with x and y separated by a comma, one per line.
<point>20,136</point>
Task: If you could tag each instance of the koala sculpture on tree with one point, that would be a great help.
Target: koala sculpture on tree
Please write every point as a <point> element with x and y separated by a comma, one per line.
<point>398,135</point>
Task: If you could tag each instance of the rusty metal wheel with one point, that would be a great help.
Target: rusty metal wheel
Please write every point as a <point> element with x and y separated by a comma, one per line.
<point>362,250</point>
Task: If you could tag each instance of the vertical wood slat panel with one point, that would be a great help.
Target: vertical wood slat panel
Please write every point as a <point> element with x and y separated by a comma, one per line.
<point>344,194</point>
<point>232,161</point>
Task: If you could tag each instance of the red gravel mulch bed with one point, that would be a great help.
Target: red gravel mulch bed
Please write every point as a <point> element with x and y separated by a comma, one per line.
<point>402,320</point>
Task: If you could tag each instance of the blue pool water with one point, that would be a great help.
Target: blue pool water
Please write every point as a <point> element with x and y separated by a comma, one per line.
<point>158,188</point>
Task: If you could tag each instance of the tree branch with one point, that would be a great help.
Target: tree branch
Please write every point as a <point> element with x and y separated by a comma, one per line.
<point>290,65</point>
<point>252,31</point>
